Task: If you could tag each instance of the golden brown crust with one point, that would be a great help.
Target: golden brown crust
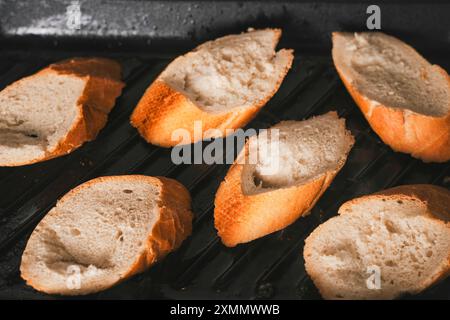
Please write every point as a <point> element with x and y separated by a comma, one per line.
<point>163,109</point>
<point>437,198</point>
<point>102,87</point>
<point>172,227</point>
<point>241,218</point>
<point>424,137</point>
<point>94,67</point>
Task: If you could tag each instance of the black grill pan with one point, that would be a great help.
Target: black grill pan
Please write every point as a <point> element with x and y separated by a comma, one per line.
<point>268,268</point>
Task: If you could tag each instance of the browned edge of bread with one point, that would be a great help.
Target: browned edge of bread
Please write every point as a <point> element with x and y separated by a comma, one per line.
<point>173,226</point>
<point>274,209</point>
<point>424,137</point>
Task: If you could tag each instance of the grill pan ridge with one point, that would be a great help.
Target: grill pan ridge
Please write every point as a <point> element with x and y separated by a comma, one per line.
<point>268,268</point>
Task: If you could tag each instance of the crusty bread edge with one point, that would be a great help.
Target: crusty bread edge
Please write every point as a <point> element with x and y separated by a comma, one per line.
<point>432,196</point>
<point>93,106</point>
<point>162,110</point>
<point>172,227</point>
<point>404,130</point>
<point>233,208</point>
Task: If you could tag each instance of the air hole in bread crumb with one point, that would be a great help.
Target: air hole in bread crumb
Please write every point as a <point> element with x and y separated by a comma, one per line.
<point>127,191</point>
<point>257,181</point>
<point>31,135</point>
<point>260,67</point>
<point>399,201</point>
<point>390,263</point>
<point>227,57</point>
<point>119,235</point>
<point>390,226</point>
<point>75,232</point>
<point>429,253</point>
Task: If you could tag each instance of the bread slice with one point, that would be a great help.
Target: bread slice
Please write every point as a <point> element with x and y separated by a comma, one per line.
<point>403,231</point>
<point>105,231</point>
<point>56,110</point>
<point>222,84</point>
<point>267,194</point>
<point>405,99</point>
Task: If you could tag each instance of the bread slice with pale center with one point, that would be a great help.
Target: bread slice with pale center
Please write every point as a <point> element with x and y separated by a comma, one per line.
<point>405,99</point>
<point>105,231</point>
<point>222,84</point>
<point>264,194</point>
<point>382,245</point>
<point>56,110</point>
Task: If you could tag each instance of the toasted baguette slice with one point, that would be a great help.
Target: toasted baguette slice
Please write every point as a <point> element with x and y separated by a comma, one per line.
<point>401,232</point>
<point>267,194</point>
<point>56,110</point>
<point>222,84</point>
<point>405,99</point>
<point>105,231</point>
